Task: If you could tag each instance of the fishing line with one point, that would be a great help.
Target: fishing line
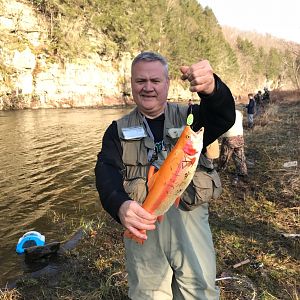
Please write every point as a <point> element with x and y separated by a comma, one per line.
<point>241,281</point>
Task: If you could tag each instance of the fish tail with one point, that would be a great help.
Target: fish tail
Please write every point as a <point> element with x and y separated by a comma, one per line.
<point>130,235</point>
<point>151,172</point>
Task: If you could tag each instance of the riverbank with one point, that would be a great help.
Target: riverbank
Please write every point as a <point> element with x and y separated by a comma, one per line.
<point>255,259</point>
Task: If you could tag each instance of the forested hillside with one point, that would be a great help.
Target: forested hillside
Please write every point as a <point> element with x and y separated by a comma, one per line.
<point>182,30</point>
<point>179,29</point>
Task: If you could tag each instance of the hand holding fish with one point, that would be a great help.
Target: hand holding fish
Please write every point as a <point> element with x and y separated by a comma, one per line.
<point>136,219</point>
<point>200,76</point>
<point>165,186</point>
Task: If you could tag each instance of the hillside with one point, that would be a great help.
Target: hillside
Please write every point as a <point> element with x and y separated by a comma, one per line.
<point>266,41</point>
<point>72,53</point>
<point>250,48</point>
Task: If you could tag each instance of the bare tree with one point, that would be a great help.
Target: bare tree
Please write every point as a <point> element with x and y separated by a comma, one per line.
<point>292,62</point>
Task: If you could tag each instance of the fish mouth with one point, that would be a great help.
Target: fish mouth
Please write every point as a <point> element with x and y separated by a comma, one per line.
<point>195,144</point>
<point>195,134</point>
<point>199,131</point>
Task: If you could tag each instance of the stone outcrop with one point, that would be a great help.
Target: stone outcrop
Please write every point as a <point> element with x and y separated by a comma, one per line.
<point>28,78</point>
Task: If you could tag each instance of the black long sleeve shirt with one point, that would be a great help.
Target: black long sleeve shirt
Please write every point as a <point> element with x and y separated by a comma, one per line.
<point>216,113</point>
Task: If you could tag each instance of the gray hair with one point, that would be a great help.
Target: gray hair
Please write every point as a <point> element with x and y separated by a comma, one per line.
<point>150,56</point>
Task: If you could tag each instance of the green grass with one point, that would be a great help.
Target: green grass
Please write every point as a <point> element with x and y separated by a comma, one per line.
<point>249,219</point>
<point>247,222</point>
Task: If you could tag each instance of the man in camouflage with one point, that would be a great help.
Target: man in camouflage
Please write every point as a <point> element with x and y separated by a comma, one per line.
<point>233,146</point>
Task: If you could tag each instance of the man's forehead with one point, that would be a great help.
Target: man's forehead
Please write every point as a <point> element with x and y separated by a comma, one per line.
<point>148,69</point>
<point>143,64</point>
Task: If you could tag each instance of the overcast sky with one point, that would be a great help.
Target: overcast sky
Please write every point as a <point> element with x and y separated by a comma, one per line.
<point>280,18</point>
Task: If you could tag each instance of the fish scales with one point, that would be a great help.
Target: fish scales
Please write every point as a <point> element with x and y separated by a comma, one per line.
<point>174,187</point>
<point>174,176</point>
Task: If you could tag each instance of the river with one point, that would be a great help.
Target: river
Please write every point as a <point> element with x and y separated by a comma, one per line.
<point>47,165</point>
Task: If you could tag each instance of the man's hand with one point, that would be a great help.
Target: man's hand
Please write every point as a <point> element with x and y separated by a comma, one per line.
<point>135,218</point>
<point>200,76</point>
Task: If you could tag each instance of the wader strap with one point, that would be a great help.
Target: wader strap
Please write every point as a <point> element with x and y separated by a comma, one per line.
<point>150,151</point>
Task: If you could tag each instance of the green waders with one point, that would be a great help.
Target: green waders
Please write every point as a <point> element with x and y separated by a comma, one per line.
<point>177,261</point>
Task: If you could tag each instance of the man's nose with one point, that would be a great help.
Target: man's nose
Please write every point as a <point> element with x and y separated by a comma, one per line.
<point>148,86</point>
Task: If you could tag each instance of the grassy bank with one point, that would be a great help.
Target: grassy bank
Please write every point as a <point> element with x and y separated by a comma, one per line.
<point>250,219</point>
<point>248,223</point>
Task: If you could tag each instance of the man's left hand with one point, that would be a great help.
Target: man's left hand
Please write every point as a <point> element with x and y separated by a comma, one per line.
<point>200,76</point>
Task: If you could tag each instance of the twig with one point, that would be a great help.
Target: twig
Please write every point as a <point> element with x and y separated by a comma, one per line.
<point>246,261</point>
<point>291,235</point>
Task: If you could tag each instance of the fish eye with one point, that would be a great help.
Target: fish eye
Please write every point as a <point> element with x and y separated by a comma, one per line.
<point>188,136</point>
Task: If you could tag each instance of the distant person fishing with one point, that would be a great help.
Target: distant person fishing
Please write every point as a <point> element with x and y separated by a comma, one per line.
<point>250,110</point>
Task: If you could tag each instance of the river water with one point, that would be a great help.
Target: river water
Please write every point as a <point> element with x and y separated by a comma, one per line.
<point>47,164</point>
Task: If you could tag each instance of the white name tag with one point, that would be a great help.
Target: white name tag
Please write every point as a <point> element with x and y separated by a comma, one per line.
<point>135,132</point>
<point>175,132</point>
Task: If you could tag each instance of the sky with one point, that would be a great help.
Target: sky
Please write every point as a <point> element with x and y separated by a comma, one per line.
<point>280,18</point>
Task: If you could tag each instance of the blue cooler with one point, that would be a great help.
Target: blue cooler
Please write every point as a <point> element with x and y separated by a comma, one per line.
<point>30,239</point>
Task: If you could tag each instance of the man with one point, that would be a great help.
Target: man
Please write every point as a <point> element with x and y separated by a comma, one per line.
<point>177,259</point>
<point>233,146</point>
<point>250,110</point>
<point>266,96</point>
<point>258,102</point>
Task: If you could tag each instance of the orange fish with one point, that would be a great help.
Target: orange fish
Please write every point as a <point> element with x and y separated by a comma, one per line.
<point>175,174</point>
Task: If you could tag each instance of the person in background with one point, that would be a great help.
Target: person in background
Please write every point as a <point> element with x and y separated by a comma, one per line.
<point>258,103</point>
<point>232,146</point>
<point>250,110</point>
<point>177,259</point>
<point>266,96</point>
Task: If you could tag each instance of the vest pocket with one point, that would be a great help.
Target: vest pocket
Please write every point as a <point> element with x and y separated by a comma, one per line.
<point>135,151</point>
<point>217,186</point>
<point>204,187</point>
<point>136,189</point>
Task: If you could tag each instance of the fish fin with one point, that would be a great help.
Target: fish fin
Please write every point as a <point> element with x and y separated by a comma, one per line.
<point>151,177</point>
<point>151,172</point>
<point>176,203</point>
<point>188,163</point>
<point>160,218</point>
<point>193,160</point>
<point>130,235</point>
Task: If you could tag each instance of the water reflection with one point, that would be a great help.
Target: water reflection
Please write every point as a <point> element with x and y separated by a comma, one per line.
<point>47,160</point>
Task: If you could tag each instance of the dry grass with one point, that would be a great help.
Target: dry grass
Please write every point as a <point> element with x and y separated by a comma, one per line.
<point>291,96</point>
<point>9,294</point>
<point>247,223</point>
<point>249,219</point>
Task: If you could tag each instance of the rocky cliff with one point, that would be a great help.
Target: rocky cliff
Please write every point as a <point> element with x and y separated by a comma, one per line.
<point>30,77</point>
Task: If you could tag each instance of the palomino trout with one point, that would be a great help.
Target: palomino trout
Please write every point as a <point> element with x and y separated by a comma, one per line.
<point>175,174</point>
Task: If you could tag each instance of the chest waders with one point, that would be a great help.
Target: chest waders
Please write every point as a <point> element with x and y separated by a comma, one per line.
<point>177,261</point>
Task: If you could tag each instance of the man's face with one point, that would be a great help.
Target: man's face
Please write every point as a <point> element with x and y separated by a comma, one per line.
<point>150,85</point>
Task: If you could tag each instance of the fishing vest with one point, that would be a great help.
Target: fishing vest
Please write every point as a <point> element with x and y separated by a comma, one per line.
<point>138,144</point>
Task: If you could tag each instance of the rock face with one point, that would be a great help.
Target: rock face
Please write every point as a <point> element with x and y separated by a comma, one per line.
<point>28,78</point>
